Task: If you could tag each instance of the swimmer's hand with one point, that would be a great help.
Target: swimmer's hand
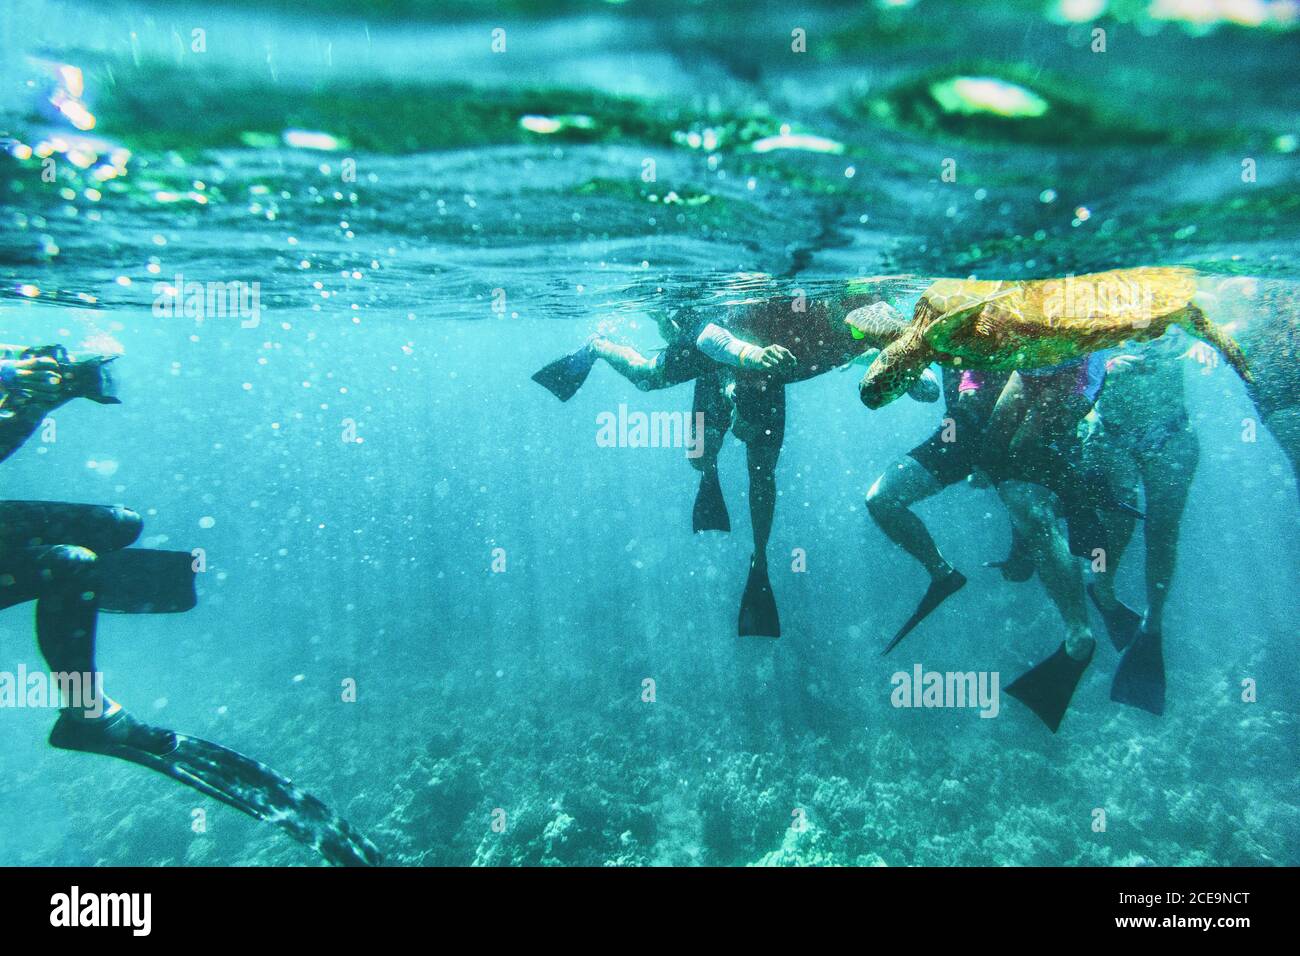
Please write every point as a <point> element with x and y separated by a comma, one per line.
<point>772,358</point>
<point>39,377</point>
<point>1203,354</point>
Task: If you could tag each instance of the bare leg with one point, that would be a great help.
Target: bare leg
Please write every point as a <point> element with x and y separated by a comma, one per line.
<point>1167,479</point>
<point>902,484</point>
<point>762,493</point>
<point>628,362</point>
<point>1122,474</point>
<point>1031,511</point>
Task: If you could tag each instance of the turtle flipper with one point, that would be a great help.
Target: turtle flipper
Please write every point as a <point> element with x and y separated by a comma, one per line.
<point>895,370</point>
<point>1198,325</point>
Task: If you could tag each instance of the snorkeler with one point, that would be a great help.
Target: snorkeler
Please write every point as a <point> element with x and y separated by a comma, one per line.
<point>1012,430</point>
<point>679,362</point>
<point>75,561</point>
<point>740,386</point>
<point>1142,436</point>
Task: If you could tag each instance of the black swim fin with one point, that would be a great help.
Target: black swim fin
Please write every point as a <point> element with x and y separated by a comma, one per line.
<point>758,615</point>
<point>563,377</point>
<point>1046,688</point>
<point>938,592</point>
<point>144,581</point>
<point>710,512</point>
<point>1122,622</point>
<point>224,775</point>
<point>1140,677</point>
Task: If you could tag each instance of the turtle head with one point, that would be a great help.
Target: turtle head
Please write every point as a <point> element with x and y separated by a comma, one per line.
<point>894,371</point>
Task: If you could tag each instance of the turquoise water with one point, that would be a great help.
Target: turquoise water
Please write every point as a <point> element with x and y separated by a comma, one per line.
<point>516,180</point>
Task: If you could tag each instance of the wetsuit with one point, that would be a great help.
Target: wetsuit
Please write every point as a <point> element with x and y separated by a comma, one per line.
<point>48,552</point>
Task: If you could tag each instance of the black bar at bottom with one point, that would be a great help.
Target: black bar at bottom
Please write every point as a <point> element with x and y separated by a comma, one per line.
<point>210,906</point>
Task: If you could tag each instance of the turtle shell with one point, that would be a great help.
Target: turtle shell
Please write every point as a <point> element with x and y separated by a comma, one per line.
<point>1052,318</point>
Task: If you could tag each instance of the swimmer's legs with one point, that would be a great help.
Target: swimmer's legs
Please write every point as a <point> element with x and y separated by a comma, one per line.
<point>710,511</point>
<point>52,554</point>
<point>1167,479</point>
<point>1031,512</point>
<point>1121,472</point>
<point>903,483</point>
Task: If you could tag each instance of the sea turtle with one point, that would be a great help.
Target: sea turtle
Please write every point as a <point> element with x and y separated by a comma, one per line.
<point>989,325</point>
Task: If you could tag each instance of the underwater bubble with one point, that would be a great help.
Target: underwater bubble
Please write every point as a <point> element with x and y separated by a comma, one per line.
<point>207,521</point>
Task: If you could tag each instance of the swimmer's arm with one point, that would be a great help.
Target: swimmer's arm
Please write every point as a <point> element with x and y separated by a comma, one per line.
<point>646,373</point>
<point>721,346</point>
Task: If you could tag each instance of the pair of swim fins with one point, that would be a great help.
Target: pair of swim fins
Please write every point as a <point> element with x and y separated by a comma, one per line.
<point>1139,681</point>
<point>218,772</point>
<point>1140,677</point>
